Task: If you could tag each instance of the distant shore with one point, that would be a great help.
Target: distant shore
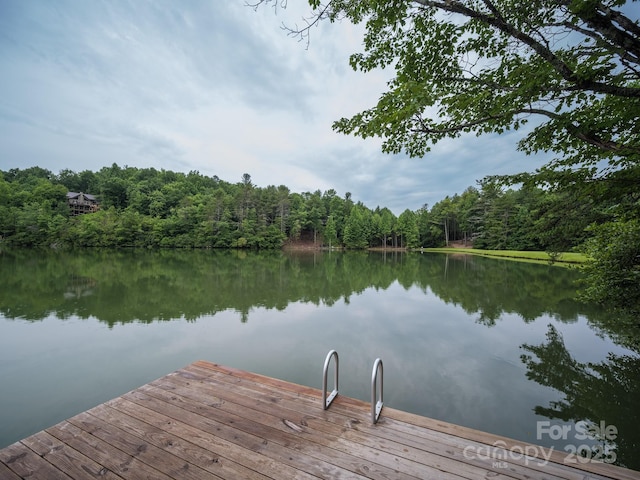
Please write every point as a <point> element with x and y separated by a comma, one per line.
<point>566,258</point>
<point>536,256</point>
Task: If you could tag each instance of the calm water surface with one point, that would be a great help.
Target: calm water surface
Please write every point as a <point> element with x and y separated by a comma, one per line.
<point>490,344</point>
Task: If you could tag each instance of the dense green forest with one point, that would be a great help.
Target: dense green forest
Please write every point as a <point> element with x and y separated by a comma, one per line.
<point>145,207</point>
<point>151,208</point>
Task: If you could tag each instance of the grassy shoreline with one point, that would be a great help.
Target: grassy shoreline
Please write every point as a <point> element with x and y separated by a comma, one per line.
<point>562,258</point>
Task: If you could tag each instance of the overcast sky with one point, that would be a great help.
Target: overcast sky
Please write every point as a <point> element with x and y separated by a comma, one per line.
<point>212,86</point>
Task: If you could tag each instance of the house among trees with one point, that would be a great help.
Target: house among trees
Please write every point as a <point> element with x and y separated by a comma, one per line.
<point>81,203</point>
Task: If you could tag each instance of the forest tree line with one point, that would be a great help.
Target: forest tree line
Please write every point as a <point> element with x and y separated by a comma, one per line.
<point>145,207</point>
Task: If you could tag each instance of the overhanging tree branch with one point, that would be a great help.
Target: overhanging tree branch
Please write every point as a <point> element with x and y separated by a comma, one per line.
<point>601,19</point>
<point>541,50</point>
<point>457,128</point>
<point>576,130</point>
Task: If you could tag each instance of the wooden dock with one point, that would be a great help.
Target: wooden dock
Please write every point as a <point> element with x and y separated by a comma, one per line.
<point>207,421</point>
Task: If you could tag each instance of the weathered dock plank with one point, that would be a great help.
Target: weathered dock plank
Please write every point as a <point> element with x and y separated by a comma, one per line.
<point>25,463</point>
<point>165,441</point>
<point>7,474</point>
<point>207,421</point>
<point>66,459</point>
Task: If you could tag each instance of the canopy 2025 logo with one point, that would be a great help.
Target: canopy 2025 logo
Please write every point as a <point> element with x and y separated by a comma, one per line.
<point>593,442</point>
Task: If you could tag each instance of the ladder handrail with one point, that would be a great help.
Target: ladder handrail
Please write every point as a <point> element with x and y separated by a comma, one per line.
<point>327,401</point>
<point>376,406</point>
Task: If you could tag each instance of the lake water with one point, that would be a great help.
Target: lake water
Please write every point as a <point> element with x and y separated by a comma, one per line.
<point>495,345</point>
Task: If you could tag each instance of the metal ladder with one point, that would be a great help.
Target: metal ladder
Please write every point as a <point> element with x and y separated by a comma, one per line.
<point>376,403</point>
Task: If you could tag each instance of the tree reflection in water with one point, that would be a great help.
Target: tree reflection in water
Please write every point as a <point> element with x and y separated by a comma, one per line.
<point>593,392</point>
